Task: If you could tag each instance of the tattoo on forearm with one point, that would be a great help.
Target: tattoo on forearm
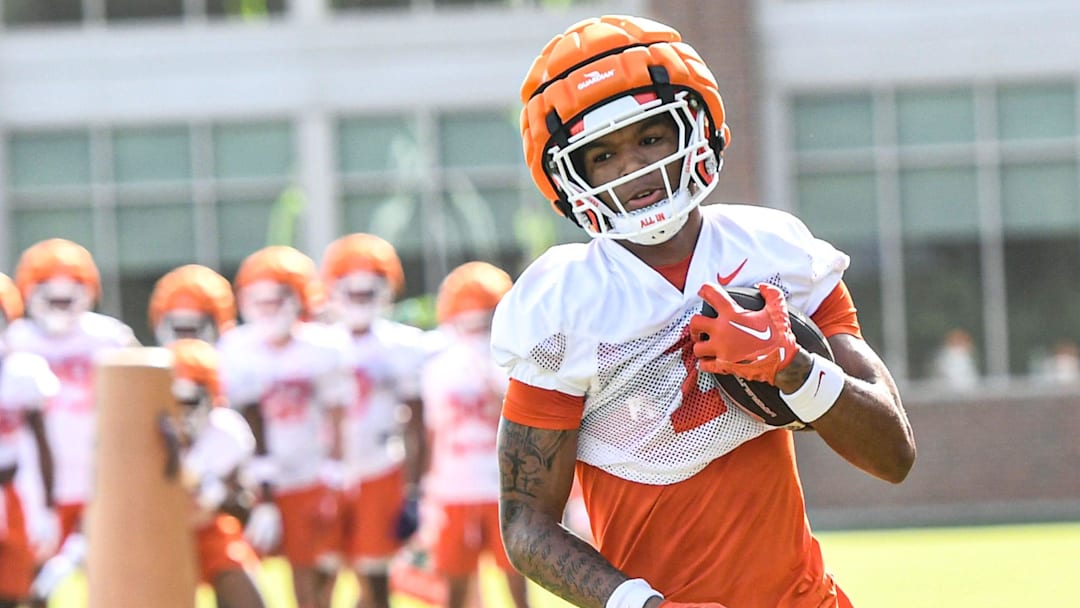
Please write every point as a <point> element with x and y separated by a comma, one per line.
<point>527,455</point>
<point>538,545</point>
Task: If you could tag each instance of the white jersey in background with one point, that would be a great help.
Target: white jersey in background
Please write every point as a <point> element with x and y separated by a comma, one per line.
<point>294,385</point>
<point>463,389</point>
<point>385,362</point>
<point>69,414</point>
<point>621,338</point>
<point>26,382</point>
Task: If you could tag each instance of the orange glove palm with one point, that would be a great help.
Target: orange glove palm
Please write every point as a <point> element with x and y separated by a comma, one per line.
<point>751,344</point>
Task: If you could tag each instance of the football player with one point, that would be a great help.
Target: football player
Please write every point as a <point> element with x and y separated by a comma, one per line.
<point>218,441</point>
<point>463,390</point>
<point>689,497</point>
<point>290,379</point>
<point>59,283</point>
<point>384,448</point>
<point>26,382</point>
<point>191,301</point>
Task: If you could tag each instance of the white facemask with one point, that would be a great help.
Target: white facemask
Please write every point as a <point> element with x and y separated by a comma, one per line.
<point>361,297</point>
<point>194,404</point>
<point>57,305</point>
<point>271,309</point>
<point>185,323</point>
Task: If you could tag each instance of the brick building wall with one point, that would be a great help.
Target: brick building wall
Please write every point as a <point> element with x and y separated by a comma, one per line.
<point>723,32</point>
<point>998,459</point>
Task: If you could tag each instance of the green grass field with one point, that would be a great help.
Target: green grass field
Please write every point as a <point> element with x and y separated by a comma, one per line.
<point>987,567</point>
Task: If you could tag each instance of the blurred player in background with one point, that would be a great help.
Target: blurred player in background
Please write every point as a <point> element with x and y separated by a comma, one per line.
<point>217,441</point>
<point>384,442</point>
<point>26,382</point>
<point>191,301</point>
<point>290,379</point>
<point>59,282</point>
<point>689,496</point>
<point>463,390</point>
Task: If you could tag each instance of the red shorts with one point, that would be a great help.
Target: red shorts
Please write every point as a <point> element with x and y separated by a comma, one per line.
<point>465,532</point>
<point>371,514</point>
<point>222,547</point>
<point>16,559</point>
<point>309,521</point>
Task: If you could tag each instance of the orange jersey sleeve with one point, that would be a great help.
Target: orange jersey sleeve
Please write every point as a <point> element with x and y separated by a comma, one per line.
<point>836,313</point>
<point>542,408</point>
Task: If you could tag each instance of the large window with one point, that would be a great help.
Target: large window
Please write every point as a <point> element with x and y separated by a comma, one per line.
<point>147,199</point>
<point>976,191</point>
<point>444,189</point>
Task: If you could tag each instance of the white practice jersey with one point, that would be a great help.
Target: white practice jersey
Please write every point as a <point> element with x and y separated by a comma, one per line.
<point>594,320</point>
<point>69,415</point>
<point>386,363</point>
<point>26,383</point>
<point>294,385</point>
<point>463,390</point>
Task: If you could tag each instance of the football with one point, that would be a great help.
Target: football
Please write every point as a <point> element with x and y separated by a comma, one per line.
<point>761,399</point>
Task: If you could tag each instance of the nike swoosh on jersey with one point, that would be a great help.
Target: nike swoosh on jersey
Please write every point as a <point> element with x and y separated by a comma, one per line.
<point>724,280</point>
<point>760,334</point>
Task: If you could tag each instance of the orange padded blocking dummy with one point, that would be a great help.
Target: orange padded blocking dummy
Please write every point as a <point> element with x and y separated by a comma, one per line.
<point>141,551</point>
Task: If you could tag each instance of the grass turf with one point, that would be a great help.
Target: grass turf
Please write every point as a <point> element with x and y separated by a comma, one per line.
<point>986,566</point>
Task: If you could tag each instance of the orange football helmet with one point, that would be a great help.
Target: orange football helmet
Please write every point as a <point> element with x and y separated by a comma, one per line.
<point>191,289</point>
<point>11,303</point>
<point>600,76</point>
<point>196,362</point>
<point>287,266</point>
<point>54,258</point>
<point>364,274</point>
<point>471,287</point>
<point>59,282</point>
<point>361,252</point>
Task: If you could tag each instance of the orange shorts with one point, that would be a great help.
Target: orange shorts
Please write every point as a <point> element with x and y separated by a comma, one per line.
<point>70,516</point>
<point>16,559</point>
<point>465,532</point>
<point>309,521</point>
<point>371,514</point>
<point>222,547</point>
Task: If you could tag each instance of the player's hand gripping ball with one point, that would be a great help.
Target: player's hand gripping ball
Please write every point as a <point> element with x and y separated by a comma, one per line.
<point>744,337</point>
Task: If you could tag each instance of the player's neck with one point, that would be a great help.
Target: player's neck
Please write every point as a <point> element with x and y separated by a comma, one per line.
<point>673,251</point>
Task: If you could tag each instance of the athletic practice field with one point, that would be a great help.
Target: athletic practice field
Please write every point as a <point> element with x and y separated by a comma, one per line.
<point>988,567</point>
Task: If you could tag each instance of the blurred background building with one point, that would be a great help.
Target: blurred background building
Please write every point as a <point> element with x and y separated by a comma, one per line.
<point>935,141</point>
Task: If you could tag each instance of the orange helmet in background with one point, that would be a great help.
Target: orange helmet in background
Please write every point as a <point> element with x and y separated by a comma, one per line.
<point>285,265</point>
<point>362,252</point>
<point>11,303</point>
<point>193,288</point>
<point>53,258</point>
<point>601,75</point>
<point>196,362</point>
<point>59,282</point>
<point>471,287</point>
<point>364,275</point>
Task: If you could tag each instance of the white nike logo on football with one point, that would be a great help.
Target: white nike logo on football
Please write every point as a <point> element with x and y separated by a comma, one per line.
<point>764,334</point>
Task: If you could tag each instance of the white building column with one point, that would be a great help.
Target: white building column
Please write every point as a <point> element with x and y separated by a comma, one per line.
<point>316,176</point>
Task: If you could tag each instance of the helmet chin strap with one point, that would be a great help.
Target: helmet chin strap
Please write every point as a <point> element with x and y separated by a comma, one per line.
<point>664,230</point>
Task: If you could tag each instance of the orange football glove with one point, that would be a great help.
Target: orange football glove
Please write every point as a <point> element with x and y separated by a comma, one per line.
<point>751,344</point>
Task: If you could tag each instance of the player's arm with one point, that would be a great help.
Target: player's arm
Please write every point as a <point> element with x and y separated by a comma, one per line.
<point>416,443</point>
<point>36,421</point>
<point>852,402</point>
<point>867,424</point>
<point>252,413</point>
<point>536,468</point>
